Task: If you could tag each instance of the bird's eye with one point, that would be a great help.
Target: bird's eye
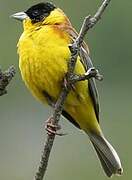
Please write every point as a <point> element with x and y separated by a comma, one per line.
<point>35,13</point>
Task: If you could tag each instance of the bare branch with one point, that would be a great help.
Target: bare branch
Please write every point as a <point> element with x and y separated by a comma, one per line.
<point>88,23</point>
<point>5,78</point>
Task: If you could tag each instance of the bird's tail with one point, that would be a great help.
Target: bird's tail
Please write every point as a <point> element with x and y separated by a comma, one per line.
<point>107,155</point>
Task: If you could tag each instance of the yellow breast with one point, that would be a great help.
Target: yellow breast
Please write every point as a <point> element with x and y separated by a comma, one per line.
<point>44,54</point>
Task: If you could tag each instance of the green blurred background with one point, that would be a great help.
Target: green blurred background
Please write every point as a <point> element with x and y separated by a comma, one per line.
<point>22,117</point>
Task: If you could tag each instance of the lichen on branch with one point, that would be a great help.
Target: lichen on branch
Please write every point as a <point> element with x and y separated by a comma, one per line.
<point>5,78</point>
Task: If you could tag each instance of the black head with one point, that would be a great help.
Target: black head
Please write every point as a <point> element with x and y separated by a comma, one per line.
<point>39,11</point>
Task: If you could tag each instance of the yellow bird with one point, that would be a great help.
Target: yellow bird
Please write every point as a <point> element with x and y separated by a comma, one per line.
<point>43,59</point>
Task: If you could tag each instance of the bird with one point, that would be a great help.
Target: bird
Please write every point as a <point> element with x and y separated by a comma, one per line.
<point>43,50</point>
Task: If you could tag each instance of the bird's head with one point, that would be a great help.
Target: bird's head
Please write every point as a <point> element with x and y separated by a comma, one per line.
<point>41,14</point>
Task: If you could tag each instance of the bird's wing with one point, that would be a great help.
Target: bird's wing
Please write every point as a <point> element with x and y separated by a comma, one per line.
<point>87,63</point>
<point>92,84</point>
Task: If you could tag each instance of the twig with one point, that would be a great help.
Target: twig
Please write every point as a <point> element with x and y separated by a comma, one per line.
<point>88,23</point>
<point>5,78</point>
<point>92,72</point>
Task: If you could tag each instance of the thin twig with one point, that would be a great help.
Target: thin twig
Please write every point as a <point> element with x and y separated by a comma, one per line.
<point>88,23</point>
<point>92,72</point>
<point>5,78</point>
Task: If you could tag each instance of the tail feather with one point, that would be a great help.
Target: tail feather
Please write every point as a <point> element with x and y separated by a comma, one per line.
<point>107,155</point>
<point>105,164</point>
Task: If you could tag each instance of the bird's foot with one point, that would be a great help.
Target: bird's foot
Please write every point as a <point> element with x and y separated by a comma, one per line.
<point>92,72</point>
<point>52,128</point>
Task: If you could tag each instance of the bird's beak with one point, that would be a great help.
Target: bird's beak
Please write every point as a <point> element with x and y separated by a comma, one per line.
<point>19,16</point>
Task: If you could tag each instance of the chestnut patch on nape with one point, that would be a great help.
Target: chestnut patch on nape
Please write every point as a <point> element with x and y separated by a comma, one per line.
<point>39,11</point>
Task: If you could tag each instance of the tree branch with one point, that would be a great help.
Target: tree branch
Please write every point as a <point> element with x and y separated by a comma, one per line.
<point>88,23</point>
<point>5,78</point>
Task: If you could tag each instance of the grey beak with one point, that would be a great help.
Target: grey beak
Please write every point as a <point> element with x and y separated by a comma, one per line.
<point>19,16</point>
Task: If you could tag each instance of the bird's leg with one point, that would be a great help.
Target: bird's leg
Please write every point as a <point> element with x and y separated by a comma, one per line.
<point>52,128</point>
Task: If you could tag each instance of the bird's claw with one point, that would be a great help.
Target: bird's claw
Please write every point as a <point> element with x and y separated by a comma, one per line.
<point>92,72</point>
<point>52,128</point>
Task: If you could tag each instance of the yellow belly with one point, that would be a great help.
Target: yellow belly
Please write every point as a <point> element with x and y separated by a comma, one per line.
<point>43,64</point>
